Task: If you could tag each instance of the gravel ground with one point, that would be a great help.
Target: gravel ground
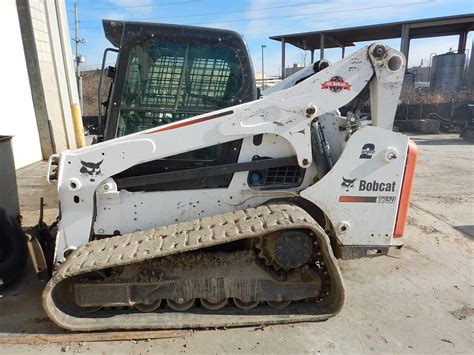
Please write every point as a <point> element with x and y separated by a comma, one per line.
<point>417,299</point>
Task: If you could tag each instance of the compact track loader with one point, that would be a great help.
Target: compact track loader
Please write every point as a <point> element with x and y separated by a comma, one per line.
<point>250,238</point>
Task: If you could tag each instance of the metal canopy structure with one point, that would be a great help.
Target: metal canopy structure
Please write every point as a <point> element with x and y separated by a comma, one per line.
<point>406,30</point>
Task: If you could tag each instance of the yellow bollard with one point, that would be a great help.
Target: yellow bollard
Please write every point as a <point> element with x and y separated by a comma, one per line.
<point>78,126</point>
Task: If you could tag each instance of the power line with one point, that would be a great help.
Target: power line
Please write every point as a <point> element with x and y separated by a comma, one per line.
<point>301,15</point>
<point>321,12</point>
<point>223,12</point>
<point>137,6</point>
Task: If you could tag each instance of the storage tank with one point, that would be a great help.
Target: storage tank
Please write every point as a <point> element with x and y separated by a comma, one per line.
<point>447,72</point>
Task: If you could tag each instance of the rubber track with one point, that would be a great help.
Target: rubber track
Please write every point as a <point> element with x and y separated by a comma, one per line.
<point>183,237</point>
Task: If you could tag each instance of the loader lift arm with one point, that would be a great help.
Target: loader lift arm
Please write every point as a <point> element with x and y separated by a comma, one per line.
<point>286,113</point>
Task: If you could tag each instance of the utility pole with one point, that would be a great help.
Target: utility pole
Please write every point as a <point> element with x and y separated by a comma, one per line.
<point>78,58</point>
<point>263,69</point>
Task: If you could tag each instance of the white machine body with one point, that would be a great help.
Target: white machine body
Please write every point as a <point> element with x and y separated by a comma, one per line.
<point>359,194</point>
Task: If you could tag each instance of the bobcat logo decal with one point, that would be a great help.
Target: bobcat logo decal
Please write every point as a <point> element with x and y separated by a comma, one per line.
<point>90,170</point>
<point>348,183</point>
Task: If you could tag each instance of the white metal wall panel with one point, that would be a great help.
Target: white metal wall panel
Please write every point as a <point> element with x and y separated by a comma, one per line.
<point>17,114</point>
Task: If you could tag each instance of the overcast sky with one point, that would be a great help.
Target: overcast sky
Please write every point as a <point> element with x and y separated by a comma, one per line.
<point>256,20</point>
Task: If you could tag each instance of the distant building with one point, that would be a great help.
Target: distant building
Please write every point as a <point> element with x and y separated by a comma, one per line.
<point>294,69</point>
<point>420,73</point>
<point>269,80</point>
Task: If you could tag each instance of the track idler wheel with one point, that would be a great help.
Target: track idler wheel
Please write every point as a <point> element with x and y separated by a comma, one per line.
<point>180,304</point>
<point>146,308</point>
<point>65,292</point>
<point>245,305</point>
<point>213,306</point>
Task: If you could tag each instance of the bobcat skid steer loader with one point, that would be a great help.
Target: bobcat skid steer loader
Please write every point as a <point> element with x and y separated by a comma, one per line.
<point>251,240</point>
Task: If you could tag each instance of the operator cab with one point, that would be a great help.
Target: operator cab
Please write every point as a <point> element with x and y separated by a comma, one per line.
<point>166,73</point>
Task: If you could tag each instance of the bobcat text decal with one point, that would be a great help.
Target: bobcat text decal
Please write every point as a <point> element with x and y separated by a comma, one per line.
<point>368,186</point>
<point>376,186</point>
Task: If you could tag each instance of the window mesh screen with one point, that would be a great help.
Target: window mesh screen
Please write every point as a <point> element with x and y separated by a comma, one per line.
<point>208,82</point>
<point>169,82</point>
<point>162,82</point>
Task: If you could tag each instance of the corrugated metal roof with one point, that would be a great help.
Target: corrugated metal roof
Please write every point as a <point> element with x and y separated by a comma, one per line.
<point>432,27</point>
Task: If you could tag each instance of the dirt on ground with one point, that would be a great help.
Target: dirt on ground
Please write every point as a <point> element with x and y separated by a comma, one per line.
<point>419,299</point>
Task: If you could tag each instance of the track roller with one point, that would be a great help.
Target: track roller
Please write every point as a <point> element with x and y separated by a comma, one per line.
<point>142,307</point>
<point>245,305</point>
<point>180,305</point>
<point>213,306</point>
<point>278,304</point>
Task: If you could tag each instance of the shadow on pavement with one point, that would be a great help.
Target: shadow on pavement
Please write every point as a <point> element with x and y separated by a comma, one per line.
<point>441,141</point>
<point>468,231</point>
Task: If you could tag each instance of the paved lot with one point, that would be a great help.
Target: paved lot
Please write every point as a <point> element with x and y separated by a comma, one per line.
<point>417,299</point>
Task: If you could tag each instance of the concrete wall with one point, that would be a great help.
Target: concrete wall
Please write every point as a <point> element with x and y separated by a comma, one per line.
<point>45,22</point>
<point>17,114</point>
<point>37,85</point>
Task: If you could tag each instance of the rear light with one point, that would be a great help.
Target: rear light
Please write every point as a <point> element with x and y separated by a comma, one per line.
<point>407,183</point>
